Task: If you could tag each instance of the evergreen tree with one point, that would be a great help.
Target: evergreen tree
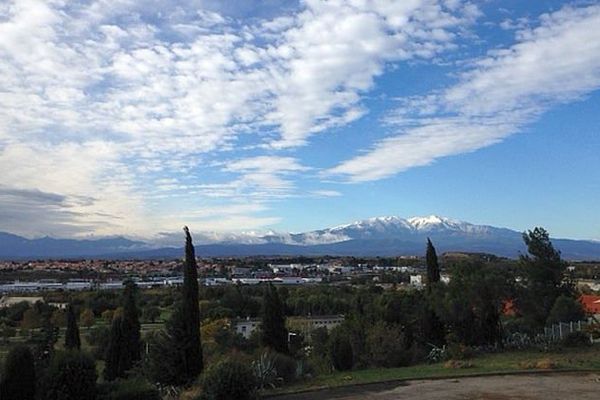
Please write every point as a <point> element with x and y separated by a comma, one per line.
<point>72,340</point>
<point>274,332</point>
<point>116,342</point>
<point>184,326</point>
<point>124,346</point>
<point>70,376</point>
<point>433,267</point>
<point>130,328</point>
<point>543,270</point>
<point>18,380</point>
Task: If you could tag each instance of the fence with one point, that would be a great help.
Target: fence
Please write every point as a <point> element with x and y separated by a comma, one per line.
<point>559,331</point>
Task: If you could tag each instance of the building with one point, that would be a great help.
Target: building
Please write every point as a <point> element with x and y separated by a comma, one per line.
<point>246,327</point>
<point>305,325</point>
<point>8,301</point>
<point>591,305</point>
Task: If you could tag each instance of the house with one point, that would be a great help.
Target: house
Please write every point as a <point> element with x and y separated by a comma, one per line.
<point>246,327</point>
<point>591,305</point>
<point>416,280</point>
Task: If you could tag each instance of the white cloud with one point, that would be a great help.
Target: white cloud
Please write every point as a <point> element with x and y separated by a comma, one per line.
<point>97,96</point>
<point>556,62</point>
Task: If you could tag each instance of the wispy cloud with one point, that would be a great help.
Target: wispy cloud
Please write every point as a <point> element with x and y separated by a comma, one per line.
<point>556,62</point>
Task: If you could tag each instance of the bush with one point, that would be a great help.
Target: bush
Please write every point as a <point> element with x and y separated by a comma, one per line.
<point>18,380</point>
<point>285,367</point>
<point>70,376</point>
<point>385,347</point>
<point>576,339</point>
<point>130,389</point>
<point>566,309</point>
<point>229,379</point>
<point>340,351</point>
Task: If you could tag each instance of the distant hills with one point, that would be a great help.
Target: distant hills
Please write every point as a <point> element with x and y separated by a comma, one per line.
<point>381,236</point>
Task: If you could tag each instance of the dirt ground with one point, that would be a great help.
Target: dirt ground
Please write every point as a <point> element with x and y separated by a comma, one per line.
<point>584,386</point>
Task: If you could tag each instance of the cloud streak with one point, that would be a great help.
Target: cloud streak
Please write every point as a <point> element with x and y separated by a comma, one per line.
<point>555,63</point>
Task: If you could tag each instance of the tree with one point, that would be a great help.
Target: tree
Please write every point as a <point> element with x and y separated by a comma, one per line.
<point>124,346</point>
<point>151,313</point>
<point>181,340</point>
<point>131,352</point>
<point>72,340</point>
<point>273,331</point>
<point>70,376</point>
<point>87,318</point>
<point>116,342</point>
<point>433,267</point>
<point>386,346</point>
<point>31,319</point>
<point>566,309</point>
<point>18,380</point>
<point>229,379</point>
<point>340,350</point>
<point>543,272</point>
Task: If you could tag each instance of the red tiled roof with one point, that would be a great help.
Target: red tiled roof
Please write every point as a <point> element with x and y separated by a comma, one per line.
<point>590,303</point>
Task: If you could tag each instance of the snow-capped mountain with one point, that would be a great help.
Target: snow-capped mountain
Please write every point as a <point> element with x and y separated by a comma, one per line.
<point>380,236</point>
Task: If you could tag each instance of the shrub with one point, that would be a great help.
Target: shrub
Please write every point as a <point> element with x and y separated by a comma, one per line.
<point>129,389</point>
<point>285,366</point>
<point>566,309</point>
<point>70,376</point>
<point>229,379</point>
<point>18,380</point>
<point>385,347</point>
<point>340,351</point>
<point>576,339</point>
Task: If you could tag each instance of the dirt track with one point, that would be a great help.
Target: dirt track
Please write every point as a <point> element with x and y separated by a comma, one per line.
<point>583,386</point>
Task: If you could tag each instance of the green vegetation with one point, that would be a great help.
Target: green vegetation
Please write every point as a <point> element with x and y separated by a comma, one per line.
<point>18,378</point>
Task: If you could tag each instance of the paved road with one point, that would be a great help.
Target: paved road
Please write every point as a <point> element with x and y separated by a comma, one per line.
<point>521,387</point>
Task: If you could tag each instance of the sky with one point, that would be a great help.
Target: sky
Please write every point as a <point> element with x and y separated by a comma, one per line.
<point>123,117</point>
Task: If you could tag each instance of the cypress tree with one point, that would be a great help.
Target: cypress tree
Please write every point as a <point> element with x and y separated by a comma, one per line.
<point>124,346</point>
<point>130,328</point>
<point>433,267</point>
<point>72,340</point>
<point>114,349</point>
<point>184,326</point>
<point>274,332</point>
<point>18,380</point>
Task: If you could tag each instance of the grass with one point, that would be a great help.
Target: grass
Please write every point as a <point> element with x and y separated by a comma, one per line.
<point>567,359</point>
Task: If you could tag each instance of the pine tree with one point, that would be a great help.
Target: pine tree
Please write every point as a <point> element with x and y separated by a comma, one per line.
<point>72,340</point>
<point>274,332</point>
<point>18,380</point>
<point>543,270</point>
<point>433,267</point>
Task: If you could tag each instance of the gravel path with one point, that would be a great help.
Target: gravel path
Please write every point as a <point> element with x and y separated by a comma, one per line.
<point>583,386</point>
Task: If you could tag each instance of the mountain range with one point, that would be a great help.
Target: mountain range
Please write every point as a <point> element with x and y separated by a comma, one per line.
<point>380,236</point>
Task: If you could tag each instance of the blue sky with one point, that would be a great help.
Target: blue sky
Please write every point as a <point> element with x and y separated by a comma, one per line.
<point>135,118</point>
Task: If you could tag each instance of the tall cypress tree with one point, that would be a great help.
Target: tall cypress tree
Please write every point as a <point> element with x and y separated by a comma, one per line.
<point>114,349</point>
<point>72,340</point>
<point>18,380</point>
<point>184,326</point>
<point>433,267</point>
<point>124,346</point>
<point>274,332</point>
<point>131,328</point>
